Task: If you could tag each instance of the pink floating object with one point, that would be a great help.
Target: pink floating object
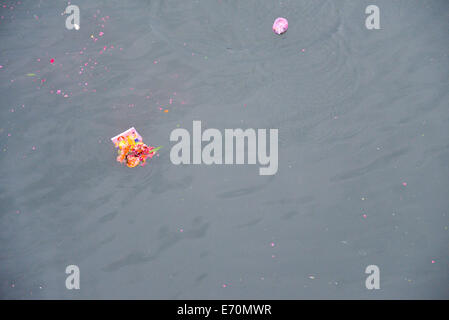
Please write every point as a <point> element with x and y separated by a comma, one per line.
<point>280,25</point>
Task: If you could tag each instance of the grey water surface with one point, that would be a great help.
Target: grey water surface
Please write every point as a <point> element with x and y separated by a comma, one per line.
<point>363,177</point>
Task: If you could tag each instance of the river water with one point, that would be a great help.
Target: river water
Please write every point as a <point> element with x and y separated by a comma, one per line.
<point>363,174</point>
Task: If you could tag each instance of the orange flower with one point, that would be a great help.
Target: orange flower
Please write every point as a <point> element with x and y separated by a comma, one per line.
<point>132,161</point>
